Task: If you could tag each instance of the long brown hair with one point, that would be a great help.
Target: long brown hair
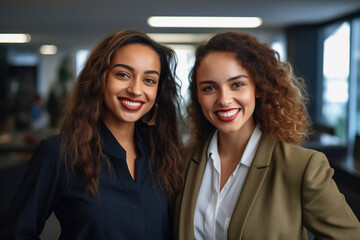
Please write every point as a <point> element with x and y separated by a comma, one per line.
<point>81,141</point>
<point>280,110</point>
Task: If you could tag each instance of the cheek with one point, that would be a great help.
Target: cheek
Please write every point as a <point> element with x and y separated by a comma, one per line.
<point>152,93</point>
<point>201,97</point>
<point>110,86</point>
<point>247,98</point>
<point>108,92</point>
<point>205,102</point>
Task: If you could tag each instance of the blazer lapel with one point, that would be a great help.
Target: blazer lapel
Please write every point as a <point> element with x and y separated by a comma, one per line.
<point>252,185</point>
<point>191,190</point>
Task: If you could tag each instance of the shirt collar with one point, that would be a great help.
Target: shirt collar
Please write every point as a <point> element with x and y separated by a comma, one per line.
<point>213,152</point>
<point>112,147</point>
<point>251,147</point>
<point>249,152</point>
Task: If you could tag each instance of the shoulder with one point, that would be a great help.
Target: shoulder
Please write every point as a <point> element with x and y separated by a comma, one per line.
<point>189,150</point>
<point>295,153</point>
<point>48,151</point>
<point>289,157</point>
<point>52,141</point>
<point>50,145</point>
<point>195,149</point>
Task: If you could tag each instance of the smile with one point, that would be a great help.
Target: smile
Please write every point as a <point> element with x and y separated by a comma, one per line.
<point>228,115</point>
<point>134,104</point>
<point>131,104</point>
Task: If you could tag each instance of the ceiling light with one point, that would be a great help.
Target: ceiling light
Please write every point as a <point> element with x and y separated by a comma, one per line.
<point>179,37</point>
<point>14,38</point>
<point>48,49</point>
<point>204,22</point>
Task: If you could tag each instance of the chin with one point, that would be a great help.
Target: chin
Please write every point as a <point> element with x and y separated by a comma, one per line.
<point>228,130</point>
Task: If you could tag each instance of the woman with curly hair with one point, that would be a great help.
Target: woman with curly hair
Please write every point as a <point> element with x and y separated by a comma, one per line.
<point>116,164</point>
<point>245,175</point>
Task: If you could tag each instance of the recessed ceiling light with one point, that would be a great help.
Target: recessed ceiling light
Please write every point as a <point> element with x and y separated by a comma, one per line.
<point>14,38</point>
<point>179,37</point>
<point>48,49</point>
<point>204,22</point>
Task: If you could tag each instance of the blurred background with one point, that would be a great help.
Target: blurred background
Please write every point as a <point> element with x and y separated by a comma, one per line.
<point>320,38</point>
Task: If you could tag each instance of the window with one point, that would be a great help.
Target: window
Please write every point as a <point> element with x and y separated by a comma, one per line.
<point>336,64</point>
<point>81,57</point>
<point>186,58</point>
<point>354,93</point>
<point>341,82</point>
<point>278,44</point>
<point>355,67</point>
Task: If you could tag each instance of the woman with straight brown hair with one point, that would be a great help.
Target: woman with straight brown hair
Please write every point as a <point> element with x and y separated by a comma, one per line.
<point>116,164</point>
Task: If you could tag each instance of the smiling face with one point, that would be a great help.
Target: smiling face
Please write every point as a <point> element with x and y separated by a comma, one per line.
<point>131,84</point>
<point>226,93</point>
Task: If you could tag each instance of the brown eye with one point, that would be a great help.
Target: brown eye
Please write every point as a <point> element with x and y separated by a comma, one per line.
<point>208,88</point>
<point>238,84</point>
<point>122,75</point>
<point>149,80</point>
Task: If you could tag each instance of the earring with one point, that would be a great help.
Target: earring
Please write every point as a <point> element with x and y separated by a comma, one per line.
<point>152,121</point>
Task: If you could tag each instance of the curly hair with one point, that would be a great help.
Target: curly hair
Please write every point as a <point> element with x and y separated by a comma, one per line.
<point>281,108</point>
<point>81,140</point>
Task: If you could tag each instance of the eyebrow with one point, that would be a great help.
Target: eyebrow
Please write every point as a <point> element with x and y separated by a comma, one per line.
<point>229,80</point>
<point>133,70</point>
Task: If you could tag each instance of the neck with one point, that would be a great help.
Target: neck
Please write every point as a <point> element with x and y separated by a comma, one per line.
<point>123,132</point>
<point>234,144</point>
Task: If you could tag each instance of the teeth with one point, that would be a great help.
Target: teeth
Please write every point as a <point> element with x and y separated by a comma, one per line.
<point>228,114</point>
<point>135,104</point>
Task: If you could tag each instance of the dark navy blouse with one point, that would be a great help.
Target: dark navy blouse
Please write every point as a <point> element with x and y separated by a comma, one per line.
<point>125,209</point>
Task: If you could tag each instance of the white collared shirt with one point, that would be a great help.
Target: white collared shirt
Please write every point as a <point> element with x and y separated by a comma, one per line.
<point>214,208</point>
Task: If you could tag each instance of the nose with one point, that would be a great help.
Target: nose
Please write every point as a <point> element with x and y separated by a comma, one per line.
<point>224,98</point>
<point>135,88</point>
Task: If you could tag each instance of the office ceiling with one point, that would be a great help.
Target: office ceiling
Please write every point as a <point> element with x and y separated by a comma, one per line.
<point>70,23</point>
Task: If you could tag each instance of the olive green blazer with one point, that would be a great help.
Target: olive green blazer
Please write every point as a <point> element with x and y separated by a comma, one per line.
<point>288,189</point>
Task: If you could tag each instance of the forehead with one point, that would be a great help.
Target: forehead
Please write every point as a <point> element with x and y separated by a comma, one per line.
<point>214,56</point>
<point>137,52</point>
<point>220,64</point>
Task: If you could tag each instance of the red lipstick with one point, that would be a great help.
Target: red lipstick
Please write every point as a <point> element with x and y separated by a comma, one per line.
<point>130,103</point>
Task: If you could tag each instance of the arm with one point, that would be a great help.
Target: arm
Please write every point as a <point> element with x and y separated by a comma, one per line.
<point>34,201</point>
<point>325,211</point>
